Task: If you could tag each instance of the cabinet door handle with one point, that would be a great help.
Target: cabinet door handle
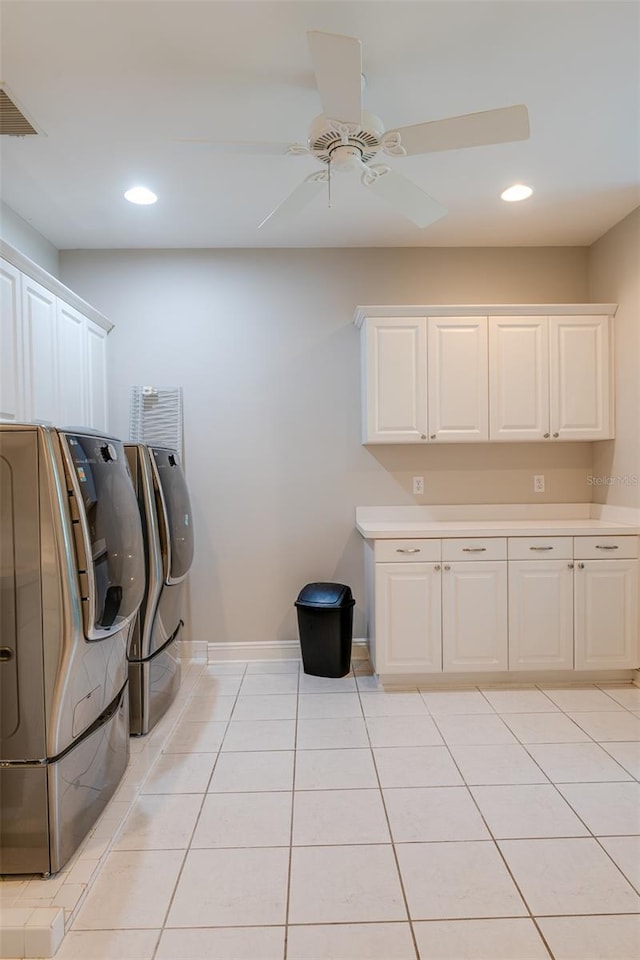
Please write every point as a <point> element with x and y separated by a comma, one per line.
<point>581,566</point>
<point>540,548</point>
<point>546,436</point>
<point>423,436</point>
<point>555,436</point>
<point>447,567</point>
<point>437,566</point>
<point>474,549</point>
<point>602,546</point>
<point>570,565</point>
<point>408,550</point>
<point>433,436</point>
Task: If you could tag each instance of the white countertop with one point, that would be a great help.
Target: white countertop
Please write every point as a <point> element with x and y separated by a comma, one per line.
<point>483,520</point>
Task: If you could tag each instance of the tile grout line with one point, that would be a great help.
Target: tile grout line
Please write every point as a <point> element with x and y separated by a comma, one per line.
<point>293,800</point>
<point>591,834</point>
<point>495,842</point>
<point>163,926</point>
<point>392,842</point>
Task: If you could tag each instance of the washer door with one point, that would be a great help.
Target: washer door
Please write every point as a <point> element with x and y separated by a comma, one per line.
<point>174,508</point>
<point>110,548</point>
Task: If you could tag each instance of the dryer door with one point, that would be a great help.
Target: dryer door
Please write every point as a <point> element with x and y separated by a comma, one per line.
<point>174,508</point>
<point>109,545</point>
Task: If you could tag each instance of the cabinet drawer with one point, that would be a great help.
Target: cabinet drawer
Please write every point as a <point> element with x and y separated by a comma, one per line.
<point>403,551</point>
<point>605,548</point>
<point>477,548</point>
<point>540,548</point>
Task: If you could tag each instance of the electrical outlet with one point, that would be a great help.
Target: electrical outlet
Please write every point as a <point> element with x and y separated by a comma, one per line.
<point>418,484</point>
<point>538,483</point>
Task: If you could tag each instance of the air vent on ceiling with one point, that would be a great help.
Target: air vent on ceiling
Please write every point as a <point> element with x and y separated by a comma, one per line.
<point>13,122</point>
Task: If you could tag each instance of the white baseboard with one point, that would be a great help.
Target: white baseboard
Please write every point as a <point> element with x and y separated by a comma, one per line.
<point>192,650</point>
<point>273,650</point>
<point>515,678</point>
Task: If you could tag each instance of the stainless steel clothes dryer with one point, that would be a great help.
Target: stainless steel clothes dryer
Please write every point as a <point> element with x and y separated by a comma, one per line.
<point>71,581</point>
<point>165,509</point>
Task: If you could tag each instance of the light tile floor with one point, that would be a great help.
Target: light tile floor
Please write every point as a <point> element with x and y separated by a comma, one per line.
<point>276,816</point>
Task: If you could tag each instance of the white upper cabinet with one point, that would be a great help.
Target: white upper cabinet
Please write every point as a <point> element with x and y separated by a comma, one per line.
<point>457,378</point>
<point>53,357</point>
<point>39,352</point>
<point>11,385</point>
<point>581,404</point>
<point>394,403</point>
<point>96,366</point>
<point>527,376</point>
<point>71,337</point>
<point>519,378</point>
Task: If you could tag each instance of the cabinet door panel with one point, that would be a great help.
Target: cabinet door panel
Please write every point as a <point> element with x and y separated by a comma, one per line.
<point>39,346</point>
<point>408,617</point>
<point>518,378</point>
<point>72,377</point>
<point>606,599</point>
<point>394,381</point>
<point>474,616</point>
<point>580,378</point>
<point>97,376</point>
<point>11,381</point>
<point>540,615</point>
<point>458,379</point>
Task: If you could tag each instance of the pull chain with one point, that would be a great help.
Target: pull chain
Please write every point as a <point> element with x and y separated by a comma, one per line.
<point>329,182</point>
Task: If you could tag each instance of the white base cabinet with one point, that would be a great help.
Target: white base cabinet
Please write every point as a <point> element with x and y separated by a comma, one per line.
<point>606,613</point>
<point>474,616</point>
<point>408,615</point>
<point>563,610</point>
<point>53,358</point>
<point>541,615</point>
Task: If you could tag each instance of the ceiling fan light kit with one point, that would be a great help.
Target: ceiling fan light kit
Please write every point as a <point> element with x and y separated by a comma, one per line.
<point>347,139</point>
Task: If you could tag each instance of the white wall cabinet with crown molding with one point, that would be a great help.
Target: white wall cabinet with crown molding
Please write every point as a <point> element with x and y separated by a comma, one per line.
<point>550,378</point>
<point>53,352</point>
<point>480,373</point>
<point>432,612</point>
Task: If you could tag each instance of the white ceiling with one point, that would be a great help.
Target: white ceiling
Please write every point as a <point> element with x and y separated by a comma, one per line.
<point>114,84</point>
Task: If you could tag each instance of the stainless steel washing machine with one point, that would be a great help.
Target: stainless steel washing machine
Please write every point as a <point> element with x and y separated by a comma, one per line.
<point>165,510</point>
<point>71,581</point>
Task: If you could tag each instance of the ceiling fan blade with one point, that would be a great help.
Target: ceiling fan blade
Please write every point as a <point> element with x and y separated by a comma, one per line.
<point>471,130</point>
<point>303,194</point>
<point>406,197</point>
<point>246,147</point>
<point>337,63</point>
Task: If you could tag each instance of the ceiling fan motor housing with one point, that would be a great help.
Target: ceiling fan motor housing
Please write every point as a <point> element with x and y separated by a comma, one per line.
<point>327,135</point>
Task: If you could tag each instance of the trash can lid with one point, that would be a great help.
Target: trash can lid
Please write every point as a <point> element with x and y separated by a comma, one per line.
<point>325,595</point>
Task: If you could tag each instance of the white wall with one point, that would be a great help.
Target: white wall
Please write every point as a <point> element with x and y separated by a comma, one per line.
<point>614,276</point>
<point>27,240</point>
<point>263,343</point>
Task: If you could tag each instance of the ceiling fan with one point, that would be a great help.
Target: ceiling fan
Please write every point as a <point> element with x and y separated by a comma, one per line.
<point>346,138</point>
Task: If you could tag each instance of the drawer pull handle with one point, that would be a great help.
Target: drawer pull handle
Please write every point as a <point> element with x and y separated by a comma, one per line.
<point>581,566</point>
<point>602,546</point>
<point>408,550</point>
<point>474,549</point>
<point>540,548</point>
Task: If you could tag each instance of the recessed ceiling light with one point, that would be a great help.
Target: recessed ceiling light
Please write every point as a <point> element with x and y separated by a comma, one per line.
<point>140,195</point>
<point>519,191</point>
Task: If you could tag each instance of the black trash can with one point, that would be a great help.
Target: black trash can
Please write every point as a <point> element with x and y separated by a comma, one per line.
<point>325,623</point>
